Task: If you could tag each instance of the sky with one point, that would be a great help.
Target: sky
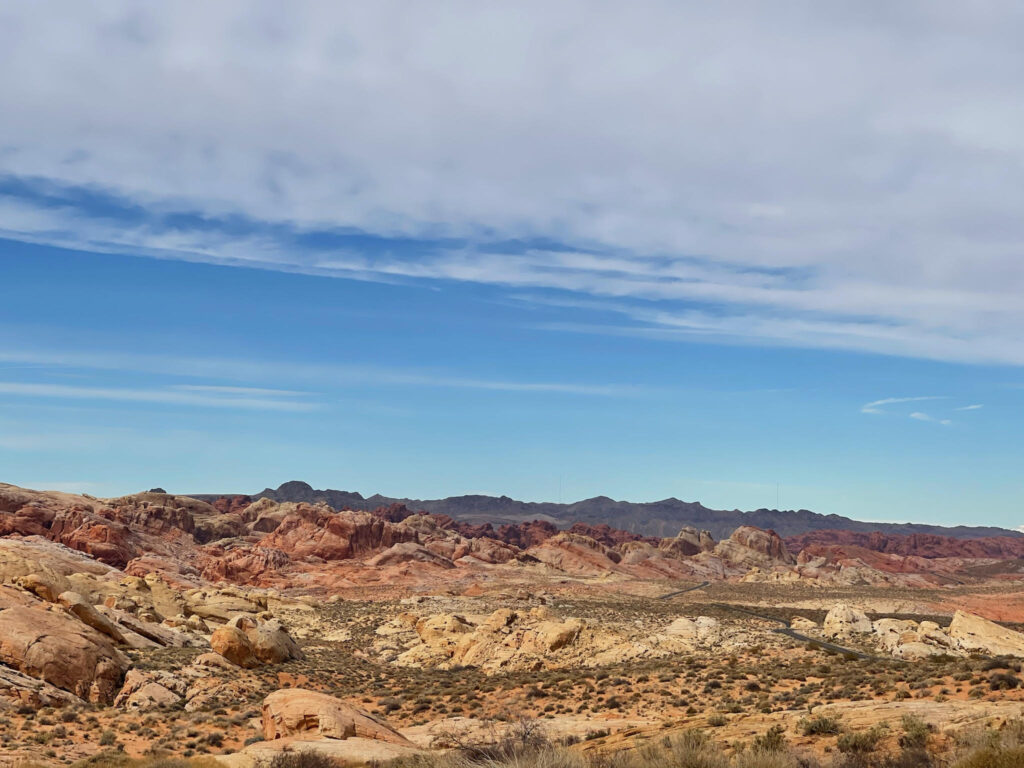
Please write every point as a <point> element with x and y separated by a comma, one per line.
<point>740,253</point>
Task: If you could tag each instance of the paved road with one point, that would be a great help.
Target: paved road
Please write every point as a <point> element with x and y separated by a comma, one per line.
<point>785,629</point>
<point>684,591</point>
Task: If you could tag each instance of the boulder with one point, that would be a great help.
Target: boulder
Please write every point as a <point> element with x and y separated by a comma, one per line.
<point>299,712</point>
<point>552,635</point>
<point>271,644</point>
<point>914,650</point>
<point>58,648</point>
<point>843,621</point>
<point>894,632</point>
<point>234,645</point>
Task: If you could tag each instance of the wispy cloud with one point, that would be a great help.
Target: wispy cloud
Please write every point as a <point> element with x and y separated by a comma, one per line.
<point>919,416</point>
<point>325,375</point>
<point>970,407</point>
<point>876,406</point>
<point>253,391</point>
<point>169,396</point>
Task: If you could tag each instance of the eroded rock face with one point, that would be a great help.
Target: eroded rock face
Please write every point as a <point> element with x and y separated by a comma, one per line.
<point>20,690</point>
<point>973,633</point>
<point>843,621</point>
<point>688,542</point>
<point>61,650</point>
<point>299,712</point>
<point>577,554</point>
<point>79,607</point>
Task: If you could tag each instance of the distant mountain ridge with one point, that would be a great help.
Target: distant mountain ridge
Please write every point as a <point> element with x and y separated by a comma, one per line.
<point>657,518</point>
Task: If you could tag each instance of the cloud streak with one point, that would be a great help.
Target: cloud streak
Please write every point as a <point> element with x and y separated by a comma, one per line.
<point>324,375</point>
<point>168,396</point>
<point>876,406</point>
<point>920,416</point>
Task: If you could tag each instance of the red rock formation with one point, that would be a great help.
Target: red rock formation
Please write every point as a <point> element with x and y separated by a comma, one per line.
<point>526,535</point>
<point>610,537</point>
<point>320,532</point>
<point>231,505</point>
<point>243,564</point>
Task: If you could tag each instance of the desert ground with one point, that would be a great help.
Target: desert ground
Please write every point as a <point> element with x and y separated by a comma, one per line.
<point>160,630</point>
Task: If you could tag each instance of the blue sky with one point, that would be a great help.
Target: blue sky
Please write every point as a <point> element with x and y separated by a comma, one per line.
<point>680,251</point>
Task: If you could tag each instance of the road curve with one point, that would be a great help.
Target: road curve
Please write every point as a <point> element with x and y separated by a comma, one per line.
<point>785,629</point>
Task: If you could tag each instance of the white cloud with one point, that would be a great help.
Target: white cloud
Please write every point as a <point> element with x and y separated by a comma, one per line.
<point>849,179</point>
<point>876,406</point>
<point>970,408</point>
<point>919,416</point>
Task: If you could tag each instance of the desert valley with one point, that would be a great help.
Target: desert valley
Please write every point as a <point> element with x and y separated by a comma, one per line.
<point>240,631</point>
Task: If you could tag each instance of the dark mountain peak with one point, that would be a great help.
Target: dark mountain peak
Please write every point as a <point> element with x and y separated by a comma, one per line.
<point>295,486</point>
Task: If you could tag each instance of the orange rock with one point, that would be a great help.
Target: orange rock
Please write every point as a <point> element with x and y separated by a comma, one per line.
<point>234,645</point>
<point>55,647</point>
<point>300,712</point>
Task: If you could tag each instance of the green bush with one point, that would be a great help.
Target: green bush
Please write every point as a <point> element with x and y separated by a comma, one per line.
<point>915,733</point>
<point>860,742</point>
<point>820,725</point>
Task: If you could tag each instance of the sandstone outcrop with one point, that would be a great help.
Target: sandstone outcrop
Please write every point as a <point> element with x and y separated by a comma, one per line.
<point>688,542</point>
<point>77,605</point>
<point>844,621</point>
<point>150,690</point>
<point>751,546</point>
<point>973,633</point>
<point>20,690</point>
<point>62,651</point>
<point>299,712</point>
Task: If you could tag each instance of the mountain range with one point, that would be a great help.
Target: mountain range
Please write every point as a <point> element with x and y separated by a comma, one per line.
<point>656,518</point>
